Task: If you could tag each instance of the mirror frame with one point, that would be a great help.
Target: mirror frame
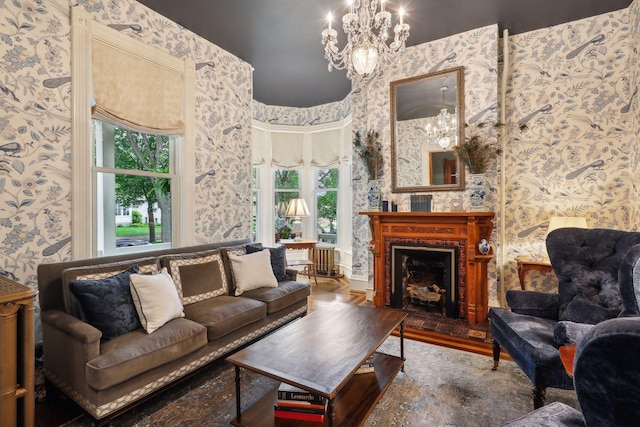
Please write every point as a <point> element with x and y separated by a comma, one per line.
<point>459,186</point>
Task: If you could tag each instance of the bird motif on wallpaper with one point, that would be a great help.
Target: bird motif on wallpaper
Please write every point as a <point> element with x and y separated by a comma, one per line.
<point>120,27</point>
<point>576,173</point>
<point>596,40</point>
<point>627,107</point>
<point>451,57</point>
<point>526,119</point>
<point>478,116</point>
<point>56,82</point>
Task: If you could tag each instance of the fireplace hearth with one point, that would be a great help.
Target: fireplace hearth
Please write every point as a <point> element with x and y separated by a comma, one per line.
<point>424,277</point>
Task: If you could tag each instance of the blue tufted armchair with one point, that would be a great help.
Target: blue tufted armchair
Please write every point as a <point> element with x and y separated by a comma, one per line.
<point>595,272</point>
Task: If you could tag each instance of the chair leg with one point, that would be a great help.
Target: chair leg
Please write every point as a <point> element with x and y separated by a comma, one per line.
<point>496,355</point>
<point>539,395</point>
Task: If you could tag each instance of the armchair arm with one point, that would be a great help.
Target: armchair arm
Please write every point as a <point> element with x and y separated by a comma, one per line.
<point>532,303</point>
<point>567,332</point>
<point>69,343</point>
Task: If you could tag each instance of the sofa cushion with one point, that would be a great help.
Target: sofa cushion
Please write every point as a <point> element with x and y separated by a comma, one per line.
<point>156,299</point>
<point>278,260</point>
<point>225,314</point>
<point>147,265</point>
<point>286,294</point>
<point>198,276</point>
<point>136,352</point>
<point>252,271</point>
<point>107,304</point>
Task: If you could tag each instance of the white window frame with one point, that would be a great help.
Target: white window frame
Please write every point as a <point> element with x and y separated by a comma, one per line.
<point>83,185</point>
<point>307,181</point>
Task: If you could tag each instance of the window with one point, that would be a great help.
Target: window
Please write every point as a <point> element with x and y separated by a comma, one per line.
<point>106,92</point>
<point>286,187</point>
<point>327,205</point>
<point>132,170</point>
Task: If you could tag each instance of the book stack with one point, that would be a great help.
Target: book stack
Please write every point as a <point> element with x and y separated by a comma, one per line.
<point>366,367</point>
<point>297,404</point>
<point>421,202</point>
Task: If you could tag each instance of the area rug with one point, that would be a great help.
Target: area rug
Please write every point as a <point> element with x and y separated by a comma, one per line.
<point>440,387</point>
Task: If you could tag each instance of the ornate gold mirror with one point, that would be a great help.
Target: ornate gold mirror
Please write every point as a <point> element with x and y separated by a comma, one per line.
<point>427,120</point>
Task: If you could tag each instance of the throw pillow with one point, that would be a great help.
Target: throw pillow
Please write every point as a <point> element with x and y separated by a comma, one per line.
<point>198,276</point>
<point>278,260</point>
<point>107,303</point>
<point>156,299</point>
<point>252,271</point>
<point>581,310</point>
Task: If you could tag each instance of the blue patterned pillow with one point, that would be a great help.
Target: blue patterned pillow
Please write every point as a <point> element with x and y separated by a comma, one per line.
<point>107,303</point>
<point>278,260</point>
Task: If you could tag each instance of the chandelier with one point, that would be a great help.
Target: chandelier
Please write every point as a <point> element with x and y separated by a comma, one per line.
<point>365,49</point>
<point>442,129</point>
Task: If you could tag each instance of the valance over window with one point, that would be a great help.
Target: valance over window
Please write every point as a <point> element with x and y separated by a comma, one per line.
<point>143,95</point>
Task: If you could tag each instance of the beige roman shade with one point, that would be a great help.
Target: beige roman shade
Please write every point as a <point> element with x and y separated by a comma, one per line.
<point>135,92</point>
<point>257,146</point>
<point>286,149</point>
<point>325,148</point>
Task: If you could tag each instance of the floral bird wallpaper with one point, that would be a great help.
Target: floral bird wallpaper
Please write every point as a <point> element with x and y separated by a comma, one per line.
<point>574,85</point>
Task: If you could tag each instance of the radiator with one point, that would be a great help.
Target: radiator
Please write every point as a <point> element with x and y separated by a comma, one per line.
<point>325,261</point>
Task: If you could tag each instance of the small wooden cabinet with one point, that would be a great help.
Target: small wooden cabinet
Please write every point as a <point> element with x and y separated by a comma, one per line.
<point>17,363</point>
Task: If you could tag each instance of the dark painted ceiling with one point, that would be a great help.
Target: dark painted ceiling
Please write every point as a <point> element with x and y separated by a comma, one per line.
<point>281,38</point>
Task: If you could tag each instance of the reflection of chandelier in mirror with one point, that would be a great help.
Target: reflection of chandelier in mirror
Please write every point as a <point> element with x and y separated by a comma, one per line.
<point>442,129</point>
<point>364,48</point>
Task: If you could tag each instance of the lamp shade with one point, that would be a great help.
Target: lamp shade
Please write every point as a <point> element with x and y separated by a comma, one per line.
<point>297,208</point>
<point>566,221</point>
<point>281,210</point>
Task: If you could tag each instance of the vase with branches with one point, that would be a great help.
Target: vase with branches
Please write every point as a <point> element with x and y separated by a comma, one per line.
<point>369,149</point>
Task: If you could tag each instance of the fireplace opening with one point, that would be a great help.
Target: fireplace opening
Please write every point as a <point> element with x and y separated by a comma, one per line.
<point>424,277</point>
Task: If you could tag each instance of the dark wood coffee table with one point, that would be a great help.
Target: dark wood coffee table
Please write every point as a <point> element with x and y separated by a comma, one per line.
<point>320,353</point>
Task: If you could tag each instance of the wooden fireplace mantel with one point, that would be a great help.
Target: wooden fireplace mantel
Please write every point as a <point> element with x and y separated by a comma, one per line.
<point>462,229</point>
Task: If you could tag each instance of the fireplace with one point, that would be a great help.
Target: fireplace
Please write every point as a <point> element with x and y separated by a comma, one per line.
<point>424,277</point>
<point>457,231</point>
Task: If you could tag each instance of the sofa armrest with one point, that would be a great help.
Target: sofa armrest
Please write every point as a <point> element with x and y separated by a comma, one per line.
<point>532,303</point>
<point>292,273</point>
<point>69,343</point>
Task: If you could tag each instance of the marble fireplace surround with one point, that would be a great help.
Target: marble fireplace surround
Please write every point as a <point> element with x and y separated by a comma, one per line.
<point>464,230</point>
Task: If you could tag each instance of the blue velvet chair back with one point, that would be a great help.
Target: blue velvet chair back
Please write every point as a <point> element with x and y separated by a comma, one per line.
<point>586,263</point>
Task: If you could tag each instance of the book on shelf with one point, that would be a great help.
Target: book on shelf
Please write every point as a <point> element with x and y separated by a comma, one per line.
<point>300,404</point>
<point>289,392</point>
<point>366,367</point>
<point>321,410</point>
<point>302,416</point>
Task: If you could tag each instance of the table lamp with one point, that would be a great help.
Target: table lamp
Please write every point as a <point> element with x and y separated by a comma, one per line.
<point>566,221</point>
<point>297,208</point>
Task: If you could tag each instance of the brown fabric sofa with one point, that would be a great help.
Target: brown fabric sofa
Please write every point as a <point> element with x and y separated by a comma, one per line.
<point>106,376</point>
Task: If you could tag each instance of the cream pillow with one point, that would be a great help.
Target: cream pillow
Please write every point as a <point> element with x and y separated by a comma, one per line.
<point>252,271</point>
<point>156,299</point>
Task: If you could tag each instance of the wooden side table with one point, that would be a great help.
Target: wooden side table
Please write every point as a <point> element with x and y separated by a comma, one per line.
<point>310,262</point>
<point>17,358</point>
<point>525,263</point>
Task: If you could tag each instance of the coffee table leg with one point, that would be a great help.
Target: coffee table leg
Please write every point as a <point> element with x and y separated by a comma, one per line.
<point>238,412</point>
<point>402,344</point>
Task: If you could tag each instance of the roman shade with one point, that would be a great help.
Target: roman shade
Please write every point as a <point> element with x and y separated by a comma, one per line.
<point>325,148</point>
<point>286,149</point>
<point>132,91</point>
<point>257,146</point>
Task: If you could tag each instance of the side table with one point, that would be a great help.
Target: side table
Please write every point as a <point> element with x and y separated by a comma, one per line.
<point>525,263</point>
<point>17,358</point>
<point>310,262</point>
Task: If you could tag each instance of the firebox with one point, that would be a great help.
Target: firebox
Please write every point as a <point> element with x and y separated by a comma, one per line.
<point>424,275</point>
